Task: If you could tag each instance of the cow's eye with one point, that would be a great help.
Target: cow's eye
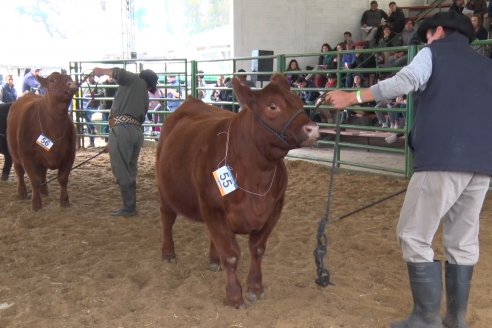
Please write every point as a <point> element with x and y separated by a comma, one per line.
<point>272,106</point>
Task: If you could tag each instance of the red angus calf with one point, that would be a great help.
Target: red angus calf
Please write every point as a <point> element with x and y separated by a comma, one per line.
<point>41,136</point>
<point>202,147</point>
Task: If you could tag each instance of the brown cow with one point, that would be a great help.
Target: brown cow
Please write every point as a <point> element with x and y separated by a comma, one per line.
<point>41,136</point>
<point>198,139</point>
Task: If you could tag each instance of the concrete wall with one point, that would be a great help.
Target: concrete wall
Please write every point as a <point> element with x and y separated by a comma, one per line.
<point>297,26</point>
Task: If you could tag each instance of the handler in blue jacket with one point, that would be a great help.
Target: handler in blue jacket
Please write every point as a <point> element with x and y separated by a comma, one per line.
<point>452,162</point>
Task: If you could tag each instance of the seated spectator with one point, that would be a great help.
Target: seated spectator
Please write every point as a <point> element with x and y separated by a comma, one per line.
<point>408,37</point>
<point>365,60</point>
<point>396,18</point>
<point>347,37</point>
<point>394,117</point>
<point>348,61</point>
<point>332,81</point>
<point>219,84</point>
<point>338,48</point>
<point>388,39</point>
<point>325,61</point>
<point>307,96</point>
<point>293,66</point>
<point>8,93</point>
<point>476,7</point>
<point>480,32</point>
<point>370,21</point>
<point>458,6</point>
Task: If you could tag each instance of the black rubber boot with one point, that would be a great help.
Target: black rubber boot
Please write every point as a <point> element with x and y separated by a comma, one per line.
<point>426,285</point>
<point>129,197</point>
<point>458,283</point>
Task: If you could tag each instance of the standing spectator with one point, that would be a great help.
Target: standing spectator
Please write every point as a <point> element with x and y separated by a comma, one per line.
<point>370,21</point>
<point>172,93</point>
<point>128,112</point>
<point>244,78</point>
<point>200,83</point>
<point>30,82</point>
<point>216,93</point>
<point>91,91</point>
<point>396,18</point>
<point>109,92</point>
<point>155,105</point>
<point>8,92</point>
<point>452,164</point>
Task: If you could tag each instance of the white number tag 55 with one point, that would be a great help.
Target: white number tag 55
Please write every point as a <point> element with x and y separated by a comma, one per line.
<point>225,180</point>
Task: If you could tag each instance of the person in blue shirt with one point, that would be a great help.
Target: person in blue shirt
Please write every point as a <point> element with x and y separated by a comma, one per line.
<point>8,92</point>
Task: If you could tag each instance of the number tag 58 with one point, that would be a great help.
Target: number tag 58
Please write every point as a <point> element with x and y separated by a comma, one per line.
<point>225,180</point>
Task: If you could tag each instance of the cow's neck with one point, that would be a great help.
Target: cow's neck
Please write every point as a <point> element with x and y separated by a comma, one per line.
<point>52,110</point>
<point>252,141</point>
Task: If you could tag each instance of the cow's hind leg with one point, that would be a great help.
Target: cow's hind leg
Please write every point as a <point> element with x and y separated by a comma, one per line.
<point>168,217</point>
<point>21,184</point>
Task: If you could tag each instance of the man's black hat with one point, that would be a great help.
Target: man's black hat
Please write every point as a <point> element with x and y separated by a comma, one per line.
<point>449,19</point>
<point>149,77</point>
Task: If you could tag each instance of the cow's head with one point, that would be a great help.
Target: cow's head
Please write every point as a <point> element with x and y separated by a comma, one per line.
<point>60,86</point>
<point>279,111</point>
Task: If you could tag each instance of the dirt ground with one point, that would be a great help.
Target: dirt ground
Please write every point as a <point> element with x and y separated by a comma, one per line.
<point>80,267</point>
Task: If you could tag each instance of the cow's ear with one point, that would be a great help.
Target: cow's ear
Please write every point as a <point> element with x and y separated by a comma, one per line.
<point>242,91</point>
<point>42,80</point>
<point>281,80</point>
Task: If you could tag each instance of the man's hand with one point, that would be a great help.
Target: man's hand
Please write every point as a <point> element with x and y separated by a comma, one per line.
<point>340,99</point>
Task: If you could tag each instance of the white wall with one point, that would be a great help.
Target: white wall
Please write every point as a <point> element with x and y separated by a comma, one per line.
<point>297,26</point>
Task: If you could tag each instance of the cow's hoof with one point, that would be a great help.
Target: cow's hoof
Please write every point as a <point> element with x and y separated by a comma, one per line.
<point>236,304</point>
<point>4,177</point>
<point>253,297</point>
<point>65,204</point>
<point>35,208</point>
<point>169,258</point>
<point>214,266</point>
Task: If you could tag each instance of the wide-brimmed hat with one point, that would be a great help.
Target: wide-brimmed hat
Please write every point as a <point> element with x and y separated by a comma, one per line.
<point>149,77</point>
<point>449,19</point>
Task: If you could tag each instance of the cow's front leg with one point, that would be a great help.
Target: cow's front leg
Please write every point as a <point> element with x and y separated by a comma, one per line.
<point>44,186</point>
<point>34,175</point>
<point>63,174</point>
<point>257,248</point>
<point>21,184</point>
<point>228,251</point>
<point>214,260</point>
